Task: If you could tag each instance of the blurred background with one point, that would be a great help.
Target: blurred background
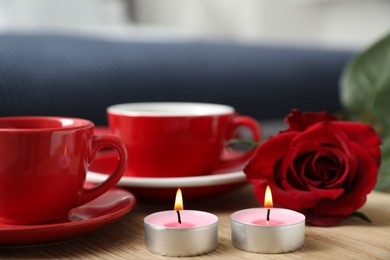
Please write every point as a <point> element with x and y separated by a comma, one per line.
<point>328,23</point>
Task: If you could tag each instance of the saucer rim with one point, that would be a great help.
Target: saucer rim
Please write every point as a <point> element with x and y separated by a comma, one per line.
<point>173,182</point>
<point>69,223</point>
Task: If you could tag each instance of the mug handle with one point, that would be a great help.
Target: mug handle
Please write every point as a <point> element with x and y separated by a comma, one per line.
<point>98,142</point>
<point>236,122</point>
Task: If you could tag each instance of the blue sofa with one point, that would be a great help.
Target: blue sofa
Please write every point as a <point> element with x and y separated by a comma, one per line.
<point>79,77</point>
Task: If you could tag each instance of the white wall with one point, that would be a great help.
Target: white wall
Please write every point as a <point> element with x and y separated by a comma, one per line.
<point>324,22</point>
<point>57,14</point>
<point>355,23</point>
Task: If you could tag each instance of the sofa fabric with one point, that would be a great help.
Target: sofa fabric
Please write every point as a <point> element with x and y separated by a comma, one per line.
<point>80,77</point>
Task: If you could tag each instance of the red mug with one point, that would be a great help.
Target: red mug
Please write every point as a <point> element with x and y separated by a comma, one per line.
<point>173,139</point>
<point>43,167</point>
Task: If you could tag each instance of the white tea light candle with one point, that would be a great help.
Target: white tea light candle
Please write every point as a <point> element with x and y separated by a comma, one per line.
<point>181,232</point>
<point>268,230</point>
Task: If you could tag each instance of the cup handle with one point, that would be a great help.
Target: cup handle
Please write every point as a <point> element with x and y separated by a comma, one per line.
<point>98,142</point>
<point>236,122</point>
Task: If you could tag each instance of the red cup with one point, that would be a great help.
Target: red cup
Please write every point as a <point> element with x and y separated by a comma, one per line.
<point>43,167</point>
<point>168,139</point>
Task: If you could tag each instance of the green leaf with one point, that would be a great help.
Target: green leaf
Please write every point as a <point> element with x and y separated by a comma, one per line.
<point>250,144</point>
<point>381,106</point>
<point>385,148</point>
<point>383,182</point>
<point>365,94</point>
<point>365,84</point>
<point>362,216</point>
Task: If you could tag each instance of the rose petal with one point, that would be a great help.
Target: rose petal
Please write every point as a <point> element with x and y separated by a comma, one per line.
<point>308,140</point>
<point>322,220</point>
<point>287,196</point>
<point>282,198</point>
<point>327,134</point>
<point>333,173</point>
<point>327,193</point>
<point>299,121</point>
<point>267,155</point>
<point>312,193</point>
<point>297,168</point>
<point>361,185</point>
<point>364,135</point>
<point>326,167</point>
<point>310,175</point>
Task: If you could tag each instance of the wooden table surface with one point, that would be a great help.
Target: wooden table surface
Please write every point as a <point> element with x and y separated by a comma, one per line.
<point>124,239</point>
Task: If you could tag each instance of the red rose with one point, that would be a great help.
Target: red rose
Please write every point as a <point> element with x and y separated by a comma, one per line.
<point>319,166</point>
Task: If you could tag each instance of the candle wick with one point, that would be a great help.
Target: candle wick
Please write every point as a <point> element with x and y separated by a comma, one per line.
<point>268,213</point>
<point>178,216</point>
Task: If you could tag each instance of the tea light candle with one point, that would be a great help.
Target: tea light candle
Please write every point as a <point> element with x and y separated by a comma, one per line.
<point>181,232</point>
<point>268,230</point>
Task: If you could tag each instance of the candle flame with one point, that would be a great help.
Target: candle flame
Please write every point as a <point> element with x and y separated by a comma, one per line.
<point>178,200</point>
<point>268,198</point>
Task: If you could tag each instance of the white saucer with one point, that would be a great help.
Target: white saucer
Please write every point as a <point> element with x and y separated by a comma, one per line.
<point>215,183</point>
<point>157,189</point>
<point>196,181</point>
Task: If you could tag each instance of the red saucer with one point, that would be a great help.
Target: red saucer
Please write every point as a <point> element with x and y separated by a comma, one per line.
<point>90,216</point>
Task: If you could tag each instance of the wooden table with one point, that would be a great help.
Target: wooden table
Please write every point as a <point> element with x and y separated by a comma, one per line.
<point>123,239</point>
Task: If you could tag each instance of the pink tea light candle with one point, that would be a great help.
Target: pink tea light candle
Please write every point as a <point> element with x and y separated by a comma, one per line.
<point>268,230</point>
<point>181,232</point>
